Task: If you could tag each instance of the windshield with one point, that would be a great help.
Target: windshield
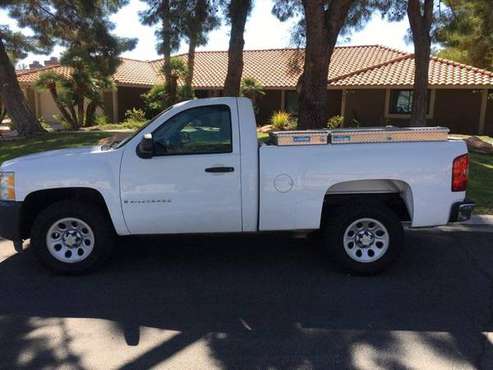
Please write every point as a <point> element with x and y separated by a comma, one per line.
<point>119,144</point>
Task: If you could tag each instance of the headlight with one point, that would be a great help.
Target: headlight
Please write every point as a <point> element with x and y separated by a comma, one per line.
<point>7,186</point>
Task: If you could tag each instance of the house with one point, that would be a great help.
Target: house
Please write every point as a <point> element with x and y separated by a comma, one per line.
<point>368,85</point>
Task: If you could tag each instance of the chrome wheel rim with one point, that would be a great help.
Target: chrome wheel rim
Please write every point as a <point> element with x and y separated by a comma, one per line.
<point>70,240</point>
<point>366,240</point>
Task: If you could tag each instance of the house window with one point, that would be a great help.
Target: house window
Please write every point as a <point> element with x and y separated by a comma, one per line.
<point>401,102</point>
<point>291,102</point>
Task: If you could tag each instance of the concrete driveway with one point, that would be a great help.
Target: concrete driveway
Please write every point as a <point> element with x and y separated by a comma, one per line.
<point>256,302</point>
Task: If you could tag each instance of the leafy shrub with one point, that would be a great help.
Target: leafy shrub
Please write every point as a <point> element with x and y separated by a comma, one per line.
<point>135,114</point>
<point>283,121</point>
<point>133,125</point>
<point>335,122</point>
<point>156,99</point>
<point>101,120</point>
<point>134,119</point>
<point>45,125</point>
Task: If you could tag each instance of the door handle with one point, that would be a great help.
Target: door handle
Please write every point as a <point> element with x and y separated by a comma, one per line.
<point>219,169</point>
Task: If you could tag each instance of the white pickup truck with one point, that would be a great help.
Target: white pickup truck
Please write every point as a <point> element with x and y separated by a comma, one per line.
<point>199,168</point>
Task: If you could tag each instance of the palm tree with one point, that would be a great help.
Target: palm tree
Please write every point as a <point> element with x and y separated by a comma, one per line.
<point>251,89</point>
<point>178,70</point>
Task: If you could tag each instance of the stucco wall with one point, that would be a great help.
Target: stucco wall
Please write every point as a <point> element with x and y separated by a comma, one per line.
<point>108,105</point>
<point>365,106</point>
<point>128,98</point>
<point>458,110</point>
<point>47,108</point>
<point>267,105</point>
<point>334,102</point>
<point>489,116</point>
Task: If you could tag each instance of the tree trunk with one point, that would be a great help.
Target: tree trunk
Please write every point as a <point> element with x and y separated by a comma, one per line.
<point>54,94</point>
<point>171,92</point>
<point>238,15</point>
<point>73,121</point>
<point>191,61</point>
<point>80,114</point>
<point>166,40</point>
<point>420,21</point>
<point>322,29</point>
<point>14,100</point>
<point>3,113</point>
<point>90,113</point>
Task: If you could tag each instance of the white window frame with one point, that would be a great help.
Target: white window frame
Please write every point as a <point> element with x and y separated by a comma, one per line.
<point>429,115</point>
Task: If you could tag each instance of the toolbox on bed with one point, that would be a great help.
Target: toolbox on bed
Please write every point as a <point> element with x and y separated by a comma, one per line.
<point>387,134</point>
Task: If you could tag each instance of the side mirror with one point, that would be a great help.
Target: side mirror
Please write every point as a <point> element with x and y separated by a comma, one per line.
<point>146,147</point>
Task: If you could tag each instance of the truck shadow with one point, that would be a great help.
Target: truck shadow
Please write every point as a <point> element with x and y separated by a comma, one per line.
<point>269,301</point>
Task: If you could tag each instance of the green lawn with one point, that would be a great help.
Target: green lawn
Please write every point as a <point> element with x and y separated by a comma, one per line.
<point>49,141</point>
<point>480,182</point>
<point>480,187</point>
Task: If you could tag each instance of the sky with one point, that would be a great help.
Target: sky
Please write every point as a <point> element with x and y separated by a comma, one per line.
<point>263,31</point>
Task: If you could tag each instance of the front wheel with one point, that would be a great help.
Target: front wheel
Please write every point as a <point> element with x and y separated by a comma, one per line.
<point>365,239</point>
<point>70,237</point>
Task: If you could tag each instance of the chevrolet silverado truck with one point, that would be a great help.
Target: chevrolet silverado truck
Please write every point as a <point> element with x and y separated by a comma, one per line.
<point>198,167</point>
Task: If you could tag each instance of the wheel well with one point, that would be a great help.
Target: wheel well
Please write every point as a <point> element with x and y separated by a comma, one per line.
<point>393,201</point>
<point>39,200</point>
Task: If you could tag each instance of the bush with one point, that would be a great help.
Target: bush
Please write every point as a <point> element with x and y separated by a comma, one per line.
<point>335,122</point>
<point>283,121</point>
<point>134,119</point>
<point>156,99</point>
<point>45,125</point>
<point>135,114</point>
<point>101,120</point>
<point>132,125</point>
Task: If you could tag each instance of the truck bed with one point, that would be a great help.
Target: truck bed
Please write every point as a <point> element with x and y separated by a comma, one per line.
<point>295,179</point>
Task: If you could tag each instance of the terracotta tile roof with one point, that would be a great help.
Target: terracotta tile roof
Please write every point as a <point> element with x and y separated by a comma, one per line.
<point>273,68</point>
<point>400,73</point>
<point>30,76</point>
<point>130,72</point>
<point>135,72</point>
<point>351,66</point>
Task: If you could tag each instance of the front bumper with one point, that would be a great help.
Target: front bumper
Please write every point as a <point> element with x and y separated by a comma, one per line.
<point>462,211</point>
<point>10,217</point>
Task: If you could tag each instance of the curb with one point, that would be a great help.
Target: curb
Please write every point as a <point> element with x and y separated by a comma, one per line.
<point>485,220</point>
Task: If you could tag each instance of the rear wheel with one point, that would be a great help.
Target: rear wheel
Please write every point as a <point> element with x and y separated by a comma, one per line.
<point>71,237</point>
<point>365,239</point>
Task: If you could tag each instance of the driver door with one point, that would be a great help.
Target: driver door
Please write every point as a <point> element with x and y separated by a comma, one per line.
<point>192,183</point>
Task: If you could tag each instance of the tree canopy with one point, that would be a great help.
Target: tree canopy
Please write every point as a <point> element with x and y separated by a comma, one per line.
<point>466,32</point>
<point>92,51</point>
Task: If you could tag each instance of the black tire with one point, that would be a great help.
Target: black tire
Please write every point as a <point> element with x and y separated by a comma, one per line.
<point>337,221</point>
<point>93,216</point>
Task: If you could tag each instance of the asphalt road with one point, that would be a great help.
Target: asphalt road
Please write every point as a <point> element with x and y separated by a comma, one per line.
<point>256,302</point>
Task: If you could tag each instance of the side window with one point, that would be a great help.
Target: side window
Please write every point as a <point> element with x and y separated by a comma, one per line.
<point>198,130</point>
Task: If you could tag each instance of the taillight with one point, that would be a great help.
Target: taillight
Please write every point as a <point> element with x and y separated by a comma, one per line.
<point>460,170</point>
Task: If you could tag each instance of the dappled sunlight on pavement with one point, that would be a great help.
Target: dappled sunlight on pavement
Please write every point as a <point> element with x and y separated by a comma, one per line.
<point>248,302</point>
